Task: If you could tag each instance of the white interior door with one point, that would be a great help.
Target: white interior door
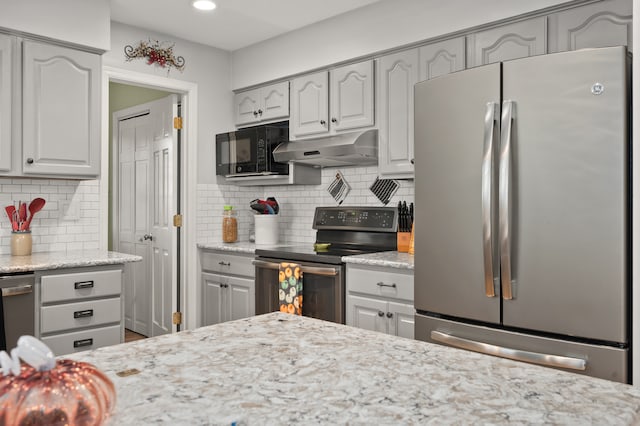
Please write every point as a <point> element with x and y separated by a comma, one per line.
<point>164,236</point>
<point>133,200</point>
<point>147,174</point>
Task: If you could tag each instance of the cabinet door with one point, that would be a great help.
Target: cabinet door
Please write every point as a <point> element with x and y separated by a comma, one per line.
<point>247,105</point>
<point>7,44</point>
<point>402,318</point>
<point>61,111</point>
<point>397,73</point>
<point>309,102</point>
<point>441,58</point>
<point>213,309</point>
<point>602,24</point>
<point>518,40</point>
<point>240,298</point>
<point>274,101</point>
<point>367,313</point>
<point>352,96</point>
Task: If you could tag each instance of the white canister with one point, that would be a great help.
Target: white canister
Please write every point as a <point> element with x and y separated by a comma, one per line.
<point>266,229</point>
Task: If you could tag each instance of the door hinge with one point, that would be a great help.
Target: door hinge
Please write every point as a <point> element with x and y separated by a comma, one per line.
<point>177,318</point>
<point>177,123</point>
<point>177,220</point>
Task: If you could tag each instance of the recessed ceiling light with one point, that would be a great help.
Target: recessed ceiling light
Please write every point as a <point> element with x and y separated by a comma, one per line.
<point>203,4</point>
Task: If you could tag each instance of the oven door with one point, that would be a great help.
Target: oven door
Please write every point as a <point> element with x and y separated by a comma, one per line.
<point>323,289</point>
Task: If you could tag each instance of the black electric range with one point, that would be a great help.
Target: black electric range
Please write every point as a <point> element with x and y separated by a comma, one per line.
<point>343,231</point>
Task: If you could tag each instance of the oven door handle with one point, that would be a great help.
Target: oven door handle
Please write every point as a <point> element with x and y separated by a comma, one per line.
<point>316,270</point>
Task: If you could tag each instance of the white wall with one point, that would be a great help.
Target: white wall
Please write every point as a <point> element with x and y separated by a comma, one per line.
<point>366,31</point>
<point>205,66</point>
<point>83,22</point>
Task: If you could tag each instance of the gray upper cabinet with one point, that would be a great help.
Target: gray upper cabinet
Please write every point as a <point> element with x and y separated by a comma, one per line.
<point>7,48</point>
<point>512,41</point>
<point>262,104</point>
<point>442,58</point>
<point>309,105</point>
<point>332,102</point>
<point>601,24</point>
<point>60,111</point>
<point>396,75</point>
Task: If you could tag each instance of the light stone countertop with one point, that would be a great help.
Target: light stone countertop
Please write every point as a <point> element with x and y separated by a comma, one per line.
<point>63,259</point>
<point>284,369</point>
<point>388,259</point>
<point>237,247</point>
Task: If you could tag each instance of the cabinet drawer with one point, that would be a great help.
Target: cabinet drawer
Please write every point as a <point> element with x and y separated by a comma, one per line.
<point>82,285</point>
<point>79,315</point>
<point>68,343</point>
<point>380,282</point>
<point>227,263</point>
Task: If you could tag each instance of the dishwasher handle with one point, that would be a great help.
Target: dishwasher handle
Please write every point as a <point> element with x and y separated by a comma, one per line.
<point>17,290</point>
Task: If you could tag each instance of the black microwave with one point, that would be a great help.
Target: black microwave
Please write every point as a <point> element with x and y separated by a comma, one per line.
<point>249,151</point>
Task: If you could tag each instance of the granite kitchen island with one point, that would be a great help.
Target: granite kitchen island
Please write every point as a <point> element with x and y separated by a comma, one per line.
<point>282,369</point>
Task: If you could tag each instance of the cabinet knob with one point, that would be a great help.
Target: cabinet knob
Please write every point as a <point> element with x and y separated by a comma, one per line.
<point>413,161</point>
<point>334,120</point>
<point>221,263</point>
<point>389,315</point>
<point>322,122</point>
<point>260,111</point>
<point>29,160</point>
<point>255,113</point>
<point>381,284</point>
<point>380,313</point>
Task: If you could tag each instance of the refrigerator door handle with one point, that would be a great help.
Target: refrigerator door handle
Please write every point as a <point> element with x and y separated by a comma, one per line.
<point>504,189</point>
<point>490,132</point>
<point>515,354</point>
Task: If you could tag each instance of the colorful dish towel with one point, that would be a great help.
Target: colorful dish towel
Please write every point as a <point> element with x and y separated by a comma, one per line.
<point>290,288</point>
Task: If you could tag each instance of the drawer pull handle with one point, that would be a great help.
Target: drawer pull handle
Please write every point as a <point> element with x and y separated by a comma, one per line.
<point>381,284</point>
<point>224,263</point>
<point>83,284</point>
<point>83,314</point>
<point>82,343</point>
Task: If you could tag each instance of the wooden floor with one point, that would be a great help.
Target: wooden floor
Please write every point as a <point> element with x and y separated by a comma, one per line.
<point>130,336</point>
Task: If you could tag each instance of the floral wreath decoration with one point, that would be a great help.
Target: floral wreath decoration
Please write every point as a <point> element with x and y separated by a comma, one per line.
<point>155,54</point>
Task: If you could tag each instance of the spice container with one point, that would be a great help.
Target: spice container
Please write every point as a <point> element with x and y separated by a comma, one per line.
<point>229,225</point>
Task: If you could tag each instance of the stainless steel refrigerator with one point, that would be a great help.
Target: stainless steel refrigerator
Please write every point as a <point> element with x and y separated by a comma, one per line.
<point>522,229</point>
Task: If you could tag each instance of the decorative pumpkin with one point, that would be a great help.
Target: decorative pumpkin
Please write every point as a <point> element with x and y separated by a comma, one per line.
<point>71,393</point>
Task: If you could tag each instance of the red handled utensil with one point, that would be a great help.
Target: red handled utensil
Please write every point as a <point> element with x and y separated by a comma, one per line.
<point>36,205</point>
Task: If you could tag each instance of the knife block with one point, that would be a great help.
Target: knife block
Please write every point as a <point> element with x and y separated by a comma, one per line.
<point>404,239</point>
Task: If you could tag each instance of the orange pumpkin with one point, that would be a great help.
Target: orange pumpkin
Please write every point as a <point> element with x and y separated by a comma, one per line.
<point>296,273</point>
<point>280,276</point>
<point>290,308</point>
<point>287,272</point>
<point>283,308</point>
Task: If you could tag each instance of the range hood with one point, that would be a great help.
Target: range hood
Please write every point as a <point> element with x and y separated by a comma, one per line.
<point>347,149</point>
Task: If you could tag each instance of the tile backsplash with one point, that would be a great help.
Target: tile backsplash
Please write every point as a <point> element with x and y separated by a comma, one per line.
<point>297,203</point>
<point>69,219</point>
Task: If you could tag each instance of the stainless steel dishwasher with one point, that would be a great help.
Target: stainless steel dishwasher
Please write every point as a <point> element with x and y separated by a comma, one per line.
<point>17,311</point>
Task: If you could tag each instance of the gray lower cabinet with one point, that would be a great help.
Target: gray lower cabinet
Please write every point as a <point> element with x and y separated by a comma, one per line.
<point>380,299</point>
<point>601,24</point>
<point>80,309</point>
<point>228,286</point>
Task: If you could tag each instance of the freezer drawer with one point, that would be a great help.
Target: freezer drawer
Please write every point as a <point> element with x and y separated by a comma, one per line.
<point>600,361</point>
